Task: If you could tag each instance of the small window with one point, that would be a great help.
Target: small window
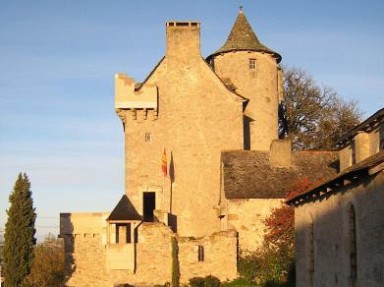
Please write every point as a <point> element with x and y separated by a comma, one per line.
<point>252,64</point>
<point>123,233</point>
<point>147,137</point>
<point>201,253</point>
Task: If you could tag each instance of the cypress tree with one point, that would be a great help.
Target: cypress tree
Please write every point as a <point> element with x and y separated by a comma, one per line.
<point>19,237</point>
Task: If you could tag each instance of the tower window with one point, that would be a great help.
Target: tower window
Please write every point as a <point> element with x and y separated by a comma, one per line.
<point>252,64</point>
<point>201,253</point>
<point>147,137</point>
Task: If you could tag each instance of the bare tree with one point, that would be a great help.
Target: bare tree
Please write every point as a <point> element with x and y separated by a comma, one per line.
<point>313,117</point>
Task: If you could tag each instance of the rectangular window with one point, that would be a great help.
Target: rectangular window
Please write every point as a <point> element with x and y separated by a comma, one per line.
<point>201,253</point>
<point>123,233</point>
<point>252,64</point>
<point>381,143</point>
<point>147,137</point>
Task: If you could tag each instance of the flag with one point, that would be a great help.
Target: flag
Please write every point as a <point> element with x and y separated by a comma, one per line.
<point>164,164</point>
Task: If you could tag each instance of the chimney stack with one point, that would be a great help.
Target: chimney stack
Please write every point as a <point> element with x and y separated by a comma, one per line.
<point>183,40</point>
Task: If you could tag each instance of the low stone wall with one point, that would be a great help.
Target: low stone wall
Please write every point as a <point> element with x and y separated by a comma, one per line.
<point>247,216</point>
<point>219,256</point>
<point>87,254</point>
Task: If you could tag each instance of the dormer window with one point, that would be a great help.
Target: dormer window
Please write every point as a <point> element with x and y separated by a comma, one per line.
<point>252,64</point>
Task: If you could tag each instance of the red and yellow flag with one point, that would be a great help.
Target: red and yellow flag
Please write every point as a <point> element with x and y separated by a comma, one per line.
<point>164,165</point>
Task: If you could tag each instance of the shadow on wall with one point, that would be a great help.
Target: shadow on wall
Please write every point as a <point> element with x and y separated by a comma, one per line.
<point>172,218</point>
<point>339,236</point>
<point>66,233</point>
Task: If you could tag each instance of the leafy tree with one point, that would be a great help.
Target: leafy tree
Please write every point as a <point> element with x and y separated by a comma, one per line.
<point>48,266</point>
<point>313,117</point>
<point>275,261</point>
<point>19,233</point>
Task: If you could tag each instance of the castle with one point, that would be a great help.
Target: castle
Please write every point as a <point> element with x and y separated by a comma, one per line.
<point>339,223</point>
<point>204,166</point>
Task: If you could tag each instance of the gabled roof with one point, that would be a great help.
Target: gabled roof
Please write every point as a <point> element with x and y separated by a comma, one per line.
<point>250,174</point>
<point>124,210</point>
<point>365,168</point>
<point>242,38</point>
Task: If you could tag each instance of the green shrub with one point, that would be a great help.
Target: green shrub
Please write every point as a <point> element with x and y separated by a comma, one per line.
<point>211,281</point>
<point>197,282</point>
<point>238,282</point>
<point>268,266</point>
<point>249,267</point>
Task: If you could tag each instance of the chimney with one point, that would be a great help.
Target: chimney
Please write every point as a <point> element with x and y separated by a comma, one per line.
<point>361,145</point>
<point>183,40</point>
<point>281,153</point>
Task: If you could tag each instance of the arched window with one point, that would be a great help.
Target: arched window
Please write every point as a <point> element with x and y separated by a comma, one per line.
<point>311,253</point>
<point>352,245</point>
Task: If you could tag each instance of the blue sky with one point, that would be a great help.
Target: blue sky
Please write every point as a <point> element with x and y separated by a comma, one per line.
<point>57,66</point>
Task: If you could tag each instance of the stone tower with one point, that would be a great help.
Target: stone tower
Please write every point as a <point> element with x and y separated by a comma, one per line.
<point>184,110</point>
<point>252,70</point>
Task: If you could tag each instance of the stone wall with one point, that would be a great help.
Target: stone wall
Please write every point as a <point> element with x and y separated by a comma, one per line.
<point>219,256</point>
<point>260,85</point>
<point>246,216</point>
<point>153,257</point>
<point>84,242</point>
<point>198,117</point>
<point>86,252</point>
<point>328,222</point>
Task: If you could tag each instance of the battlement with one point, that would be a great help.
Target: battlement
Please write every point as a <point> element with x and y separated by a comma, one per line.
<point>126,97</point>
<point>182,24</point>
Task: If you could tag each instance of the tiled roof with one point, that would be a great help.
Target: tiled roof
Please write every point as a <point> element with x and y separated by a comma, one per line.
<point>351,174</point>
<point>242,38</point>
<point>124,210</point>
<point>249,174</point>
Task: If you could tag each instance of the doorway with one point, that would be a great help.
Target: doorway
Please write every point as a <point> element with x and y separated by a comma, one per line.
<point>149,205</point>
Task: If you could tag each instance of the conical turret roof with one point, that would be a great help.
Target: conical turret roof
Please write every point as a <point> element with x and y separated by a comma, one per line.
<point>242,38</point>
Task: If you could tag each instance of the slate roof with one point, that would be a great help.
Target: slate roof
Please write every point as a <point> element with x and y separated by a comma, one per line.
<point>249,174</point>
<point>242,38</point>
<point>355,172</point>
<point>124,210</point>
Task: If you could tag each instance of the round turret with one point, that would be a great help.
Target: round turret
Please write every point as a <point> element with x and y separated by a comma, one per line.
<point>252,70</point>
